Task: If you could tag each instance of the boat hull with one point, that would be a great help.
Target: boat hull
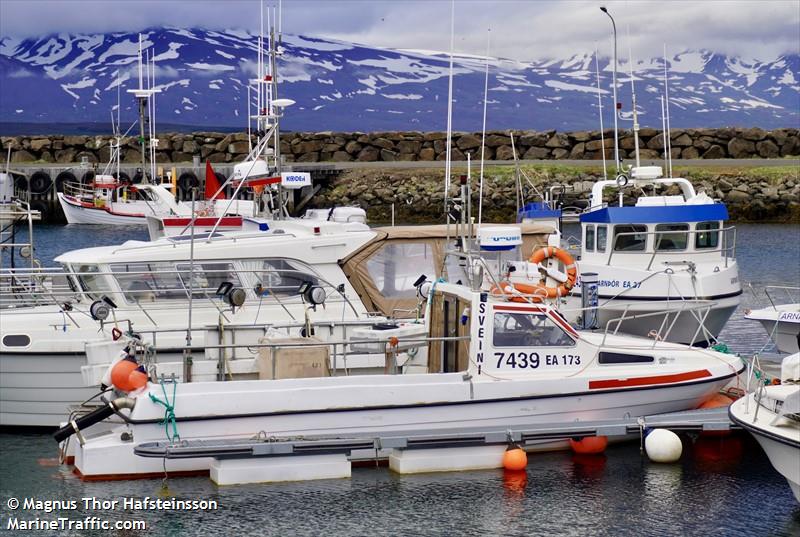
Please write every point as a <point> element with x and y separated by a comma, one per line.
<point>76,213</point>
<point>109,456</point>
<point>783,450</point>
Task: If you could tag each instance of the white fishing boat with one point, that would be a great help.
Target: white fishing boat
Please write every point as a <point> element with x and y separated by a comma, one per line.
<point>781,320</point>
<point>488,360</point>
<point>772,415</point>
<point>145,286</point>
<point>652,244</point>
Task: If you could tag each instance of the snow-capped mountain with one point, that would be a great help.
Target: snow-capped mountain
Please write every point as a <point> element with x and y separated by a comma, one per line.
<point>203,77</point>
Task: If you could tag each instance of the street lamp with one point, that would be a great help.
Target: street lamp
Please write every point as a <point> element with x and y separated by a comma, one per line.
<point>614,84</point>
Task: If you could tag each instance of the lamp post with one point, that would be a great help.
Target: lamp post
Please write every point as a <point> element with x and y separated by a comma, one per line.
<point>614,84</point>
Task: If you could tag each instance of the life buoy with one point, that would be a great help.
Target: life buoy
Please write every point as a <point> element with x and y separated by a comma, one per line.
<point>539,291</point>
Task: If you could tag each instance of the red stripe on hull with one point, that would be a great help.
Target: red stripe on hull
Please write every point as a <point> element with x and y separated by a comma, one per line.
<point>203,221</point>
<point>645,381</point>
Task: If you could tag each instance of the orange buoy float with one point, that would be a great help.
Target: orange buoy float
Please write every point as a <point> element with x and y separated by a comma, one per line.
<point>120,374</point>
<point>540,291</point>
<point>515,459</point>
<point>717,400</point>
<point>589,445</point>
<point>138,378</point>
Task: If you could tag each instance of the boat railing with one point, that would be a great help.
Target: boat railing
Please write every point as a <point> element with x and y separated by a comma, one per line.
<point>726,246</point>
<point>699,309</point>
<point>339,348</point>
<point>39,287</point>
<point>782,294</point>
<point>78,190</point>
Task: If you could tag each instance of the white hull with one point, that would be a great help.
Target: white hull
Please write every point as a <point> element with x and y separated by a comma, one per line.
<point>105,455</point>
<point>780,442</point>
<point>782,323</point>
<point>77,214</point>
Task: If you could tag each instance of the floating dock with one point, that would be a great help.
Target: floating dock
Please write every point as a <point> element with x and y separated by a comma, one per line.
<point>264,458</point>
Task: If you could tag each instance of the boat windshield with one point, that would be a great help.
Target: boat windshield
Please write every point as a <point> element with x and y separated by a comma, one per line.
<point>396,266</point>
<point>151,282</point>
<point>283,277</point>
<point>91,281</point>
<point>528,330</point>
<point>672,236</point>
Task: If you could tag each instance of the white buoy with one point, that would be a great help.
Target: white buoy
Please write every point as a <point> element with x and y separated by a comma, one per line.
<point>662,445</point>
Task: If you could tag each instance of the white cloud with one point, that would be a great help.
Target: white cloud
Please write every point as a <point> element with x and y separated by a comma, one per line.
<point>521,29</point>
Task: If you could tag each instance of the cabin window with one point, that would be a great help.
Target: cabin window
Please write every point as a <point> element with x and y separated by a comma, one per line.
<point>630,238</point>
<point>528,330</point>
<point>623,358</point>
<point>589,240</point>
<point>671,236</point>
<point>602,233</point>
<point>16,340</point>
<point>92,282</point>
<point>283,277</point>
<point>395,268</point>
<point>207,277</point>
<point>148,282</point>
<point>707,235</point>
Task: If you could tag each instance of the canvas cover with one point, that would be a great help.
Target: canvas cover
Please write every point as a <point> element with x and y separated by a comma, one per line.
<point>384,270</point>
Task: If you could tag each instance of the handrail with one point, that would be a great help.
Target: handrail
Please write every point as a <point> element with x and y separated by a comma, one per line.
<point>704,306</point>
<point>787,289</point>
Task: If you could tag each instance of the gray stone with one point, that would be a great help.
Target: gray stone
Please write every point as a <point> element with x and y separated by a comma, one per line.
<point>736,196</point>
<point>388,155</point>
<point>22,156</point>
<point>768,149</point>
<point>535,153</point>
<point>383,143</point>
<point>308,157</point>
<point>468,141</point>
<point>739,148</point>
<point>179,156</point>
<point>368,154</point>
<point>725,186</point>
<point>504,152</point>
<point>38,144</point>
<point>427,153</point>
<point>75,140</point>
<point>216,157</point>
<point>578,151</point>
<point>715,151</point>
<point>406,147</point>
<point>353,147</point>
<point>223,144</point>
<point>690,153</point>
<point>496,140</point>
<point>531,139</point>
<point>237,148</point>
<point>190,147</point>
<point>754,134</point>
<point>65,156</point>
<point>683,140</point>
<point>558,140</point>
<point>559,153</point>
<point>596,145</point>
<point>649,154</point>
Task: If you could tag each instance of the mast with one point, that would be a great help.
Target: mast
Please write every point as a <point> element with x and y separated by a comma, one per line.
<point>600,108</point>
<point>143,95</point>
<point>483,130</point>
<point>448,149</point>
<point>633,98</point>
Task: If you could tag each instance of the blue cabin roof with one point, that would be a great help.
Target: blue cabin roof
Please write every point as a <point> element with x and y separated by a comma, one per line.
<point>538,209</point>
<point>657,215</point>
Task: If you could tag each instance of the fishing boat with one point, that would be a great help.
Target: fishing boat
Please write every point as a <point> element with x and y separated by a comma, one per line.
<point>486,359</point>
<point>113,198</point>
<point>145,286</point>
<point>781,319</point>
<point>772,415</point>
<point>653,244</point>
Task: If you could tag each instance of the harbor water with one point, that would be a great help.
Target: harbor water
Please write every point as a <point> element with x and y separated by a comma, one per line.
<point>722,485</point>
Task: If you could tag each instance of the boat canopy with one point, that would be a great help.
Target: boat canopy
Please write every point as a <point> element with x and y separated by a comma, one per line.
<point>656,214</point>
<point>384,271</point>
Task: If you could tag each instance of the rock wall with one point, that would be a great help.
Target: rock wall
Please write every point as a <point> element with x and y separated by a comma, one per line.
<point>417,146</point>
<point>417,195</point>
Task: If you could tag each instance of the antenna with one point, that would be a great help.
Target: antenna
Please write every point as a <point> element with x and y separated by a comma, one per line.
<point>664,132</point>
<point>668,133</point>
<point>600,108</point>
<point>483,130</point>
<point>633,98</point>
<point>448,150</point>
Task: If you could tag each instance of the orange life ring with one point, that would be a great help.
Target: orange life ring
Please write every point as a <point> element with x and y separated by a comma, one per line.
<point>539,291</point>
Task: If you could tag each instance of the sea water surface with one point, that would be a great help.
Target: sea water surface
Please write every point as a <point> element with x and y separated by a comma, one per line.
<point>722,486</point>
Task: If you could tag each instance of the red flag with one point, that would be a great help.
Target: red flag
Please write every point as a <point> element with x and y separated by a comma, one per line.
<point>212,184</point>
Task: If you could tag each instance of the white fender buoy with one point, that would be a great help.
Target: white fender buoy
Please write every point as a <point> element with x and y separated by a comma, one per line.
<point>662,445</point>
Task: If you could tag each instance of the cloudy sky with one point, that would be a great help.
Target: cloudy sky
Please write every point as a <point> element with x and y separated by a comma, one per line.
<point>527,29</point>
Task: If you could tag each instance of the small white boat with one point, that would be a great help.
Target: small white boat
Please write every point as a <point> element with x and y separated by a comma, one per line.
<point>488,361</point>
<point>781,321</point>
<point>772,415</point>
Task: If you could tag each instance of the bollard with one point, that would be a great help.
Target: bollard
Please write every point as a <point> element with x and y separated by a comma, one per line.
<point>589,300</point>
